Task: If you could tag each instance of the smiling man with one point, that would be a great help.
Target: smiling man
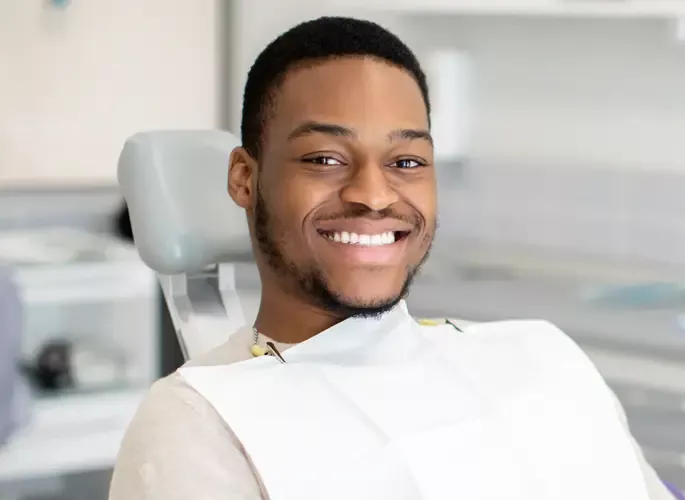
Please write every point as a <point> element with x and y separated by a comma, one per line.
<point>337,173</point>
<point>336,392</point>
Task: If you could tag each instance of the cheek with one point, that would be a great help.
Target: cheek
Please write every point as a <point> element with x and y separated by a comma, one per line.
<point>292,202</point>
<point>422,197</point>
<point>302,193</point>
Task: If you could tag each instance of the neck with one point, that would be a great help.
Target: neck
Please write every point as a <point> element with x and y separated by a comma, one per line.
<point>286,319</point>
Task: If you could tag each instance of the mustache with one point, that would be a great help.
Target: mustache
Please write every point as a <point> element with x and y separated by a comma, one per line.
<point>364,212</point>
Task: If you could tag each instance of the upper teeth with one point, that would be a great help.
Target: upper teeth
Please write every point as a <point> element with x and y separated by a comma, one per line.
<point>370,240</point>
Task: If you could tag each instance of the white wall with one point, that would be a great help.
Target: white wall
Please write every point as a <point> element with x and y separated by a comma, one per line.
<point>563,92</point>
<point>74,83</point>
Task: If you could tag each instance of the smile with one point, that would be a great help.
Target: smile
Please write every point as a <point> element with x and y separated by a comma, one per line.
<point>364,240</point>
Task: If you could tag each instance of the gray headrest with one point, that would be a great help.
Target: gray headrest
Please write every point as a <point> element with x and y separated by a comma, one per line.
<point>175,185</point>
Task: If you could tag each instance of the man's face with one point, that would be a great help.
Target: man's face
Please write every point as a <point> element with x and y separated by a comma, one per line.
<point>345,205</point>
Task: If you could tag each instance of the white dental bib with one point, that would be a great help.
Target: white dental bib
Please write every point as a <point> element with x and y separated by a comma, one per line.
<point>388,409</point>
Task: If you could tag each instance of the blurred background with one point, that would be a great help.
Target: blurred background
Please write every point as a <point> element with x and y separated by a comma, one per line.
<point>561,161</point>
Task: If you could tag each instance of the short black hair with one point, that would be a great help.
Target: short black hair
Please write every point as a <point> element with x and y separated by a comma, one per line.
<point>310,42</point>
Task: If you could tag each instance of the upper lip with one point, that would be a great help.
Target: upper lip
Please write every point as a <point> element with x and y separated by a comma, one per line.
<point>364,226</point>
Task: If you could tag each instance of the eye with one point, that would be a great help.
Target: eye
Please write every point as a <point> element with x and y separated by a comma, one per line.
<point>323,160</point>
<point>407,163</point>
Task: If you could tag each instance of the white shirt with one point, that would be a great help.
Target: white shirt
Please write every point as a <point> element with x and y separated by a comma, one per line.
<point>179,448</point>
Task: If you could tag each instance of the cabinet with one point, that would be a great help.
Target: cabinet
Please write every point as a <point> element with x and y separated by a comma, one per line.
<point>76,81</point>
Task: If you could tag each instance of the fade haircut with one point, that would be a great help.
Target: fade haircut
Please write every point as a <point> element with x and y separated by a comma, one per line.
<point>309,43</point>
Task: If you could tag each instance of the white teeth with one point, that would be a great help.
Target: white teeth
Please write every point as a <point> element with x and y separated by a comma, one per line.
<point>367,240</point>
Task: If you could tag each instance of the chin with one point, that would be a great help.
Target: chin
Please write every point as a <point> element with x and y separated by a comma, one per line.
<point>370,289</point>
<point>361,294</point>
<point>371,301</point>
<point>367,303</point>
<point>371,307</point>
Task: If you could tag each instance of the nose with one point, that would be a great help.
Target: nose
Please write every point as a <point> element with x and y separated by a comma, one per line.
<point>369,185</point>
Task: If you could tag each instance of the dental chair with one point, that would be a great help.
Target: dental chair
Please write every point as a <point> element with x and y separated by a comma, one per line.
<point>187,229</point>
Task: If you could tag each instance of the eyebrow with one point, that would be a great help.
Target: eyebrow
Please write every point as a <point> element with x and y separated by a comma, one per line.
<point>308,128</point>
<point>405,134</point>
<point>334,130</point>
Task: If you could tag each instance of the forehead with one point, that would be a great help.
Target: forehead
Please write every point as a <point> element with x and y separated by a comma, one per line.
<point>361,93</point>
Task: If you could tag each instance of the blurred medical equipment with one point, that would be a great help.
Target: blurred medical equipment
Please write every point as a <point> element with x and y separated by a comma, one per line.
<point>53,368</point>
<point>78,364</point>
<point>88,351</point>
<point>89,309</point>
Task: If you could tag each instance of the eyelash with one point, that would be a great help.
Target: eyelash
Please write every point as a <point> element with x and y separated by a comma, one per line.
<point>322,160</point>
<point>418,164</point>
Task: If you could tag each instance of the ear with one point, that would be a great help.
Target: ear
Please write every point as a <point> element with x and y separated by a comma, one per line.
<point>242,177</point>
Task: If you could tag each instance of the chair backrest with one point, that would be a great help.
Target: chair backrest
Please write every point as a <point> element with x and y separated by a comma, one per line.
<point>187,228</point>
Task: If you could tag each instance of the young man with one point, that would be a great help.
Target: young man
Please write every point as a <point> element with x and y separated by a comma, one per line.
<point>357,401</point>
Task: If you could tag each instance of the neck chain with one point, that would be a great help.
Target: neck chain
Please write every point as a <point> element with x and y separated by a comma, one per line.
<point>256,350</point>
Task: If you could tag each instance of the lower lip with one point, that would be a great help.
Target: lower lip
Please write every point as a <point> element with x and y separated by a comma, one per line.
<point>369,255</point>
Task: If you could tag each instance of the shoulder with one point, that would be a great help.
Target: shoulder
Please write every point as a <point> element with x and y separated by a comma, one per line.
<point>171,398</point>
<point>170,416</point>
<point>529,332</point>
<point>172,409</point>
<point>171,439</point>
<point>528,350</point>
<point>538,340</point>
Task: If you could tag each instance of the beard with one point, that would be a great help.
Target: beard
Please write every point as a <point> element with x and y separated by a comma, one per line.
<point>311,282</point>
